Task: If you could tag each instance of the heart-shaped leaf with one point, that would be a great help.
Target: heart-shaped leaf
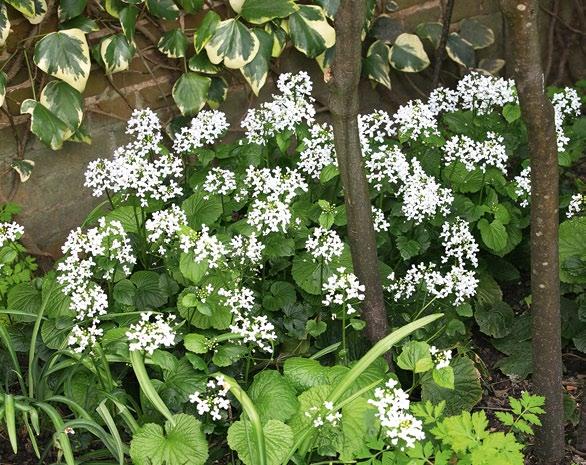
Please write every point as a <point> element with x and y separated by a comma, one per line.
<point>190,92</point>
<point>232,43</point>
<point>408,54</point>
<point>310,31</point>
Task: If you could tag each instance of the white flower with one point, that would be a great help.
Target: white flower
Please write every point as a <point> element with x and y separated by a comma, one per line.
<point>443,100</point>
<point>566,104</point>
<point>82,338</point>
<point>318,152</point>
<point>523,186</point>
<point>343,288</point>
<point>324,244</point>
<point>386,166</point>
<point>576,206</point>
<point>324,416</point>
<point>379,221</point>
<point>483,94</point>
<point>149,335</point>
<point>415,118</point>
<point>203,246</point>
<point>374,128</point>
<point>459,243</point>
<point>246,250</point>
<point>205,129</point>
<point>441,358</point>
<point>145,126</point>
<point>473,154</point>
<point>164,226</point>
<point>269,216</point>
<point>10,232</point>
<point>214,400</point>
<point>220,181</point>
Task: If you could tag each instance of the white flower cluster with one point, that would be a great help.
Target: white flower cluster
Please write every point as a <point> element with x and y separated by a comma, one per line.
<point>164,226</point>
<point>379,221</point>
<point>375,127</point>
<point>343,288</point>
<point>140,168</point>
<point>459,243</point>
<point>523,186</point>
<point>443,100</point>
<point>482,93</point>
<point>441,358</point>
<point>285,111</point>
<point>318,152</point>
<point>82,338</point>
<point>246,251</point>
<point>474,154</point>
<point>214,400</point>
<point>220,181</point>
<point>386,165</point>
<point>205,129</point>
<point>324,244</point>
<point>566,104</point>
<point>326,415</point>
<point>252,328</point>
<point>149,335</point>
<point>392,404</point>
<point>577,205</point>
<point>416,118</point>
<point>203,246</point>
<point>10,232</point>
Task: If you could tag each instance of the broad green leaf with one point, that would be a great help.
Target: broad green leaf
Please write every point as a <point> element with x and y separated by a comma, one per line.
<point>278,441</point>
<point>237,5</point>
<point>192,270</point>
<point>511,112</point>
<point>173,43</point>
<point>3,82</point>
<point>282,293</point>
<point>257,70</point>
<point>492,65</point>
<point>206,30</point>
<point>408,54</point>
<point>261,11</point>
<point>228,354</point>
<point>69,9</point>
<point>164,9</point>
<point>376,64</point>
<point>26,7</point>
<point>273,396</point>
<point>460,51</point>
<point>191,6</point>
<point>128,16</point>
<point>233,43</point>
<point>217,93</point>
<point>415,357</point>
<point>24,297</point>
<point>467,391</point>
<point>65,55</point>
<point>196,343</point>
<point>202,208</point>
<point>124,292</point>
<point>519,362</point>
<point>24,168</point>
<point>116,53</point>
<point>82,23</point>
<point>113,7</point>
<point>279,38</point>
<point>190,92</point>
<point>183,443</point>
<point>303,373</point>
<point>4,32</point>
<point>386,29</point>
<point>476,33</point>
<point>444,377</point>
<point>45,125</point>
<point>572,244</point>
<point>39,12</point>
<point>494,234</point>
<point>148,291</point>
<point>330,7</point>
<point>310,274</point>
<point>315,328</point>
<point>310,31</point>
<point>64,102</point>
<point>431,32</point>
<point>496,320</point>
<point>200,63</point>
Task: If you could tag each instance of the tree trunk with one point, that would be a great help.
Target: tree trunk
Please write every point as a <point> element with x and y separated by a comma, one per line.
<point>538,115</point>
<point>344,102</point>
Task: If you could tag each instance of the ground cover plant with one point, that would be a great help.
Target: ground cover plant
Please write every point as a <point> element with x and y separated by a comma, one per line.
<point>207,311</point>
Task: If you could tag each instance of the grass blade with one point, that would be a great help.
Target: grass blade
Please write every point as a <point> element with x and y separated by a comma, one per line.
<point>10,414</point>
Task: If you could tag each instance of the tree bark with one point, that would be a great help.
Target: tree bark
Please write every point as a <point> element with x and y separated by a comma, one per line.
<point>538,116</point>
<point>344,103</point>
<point>440,53</point>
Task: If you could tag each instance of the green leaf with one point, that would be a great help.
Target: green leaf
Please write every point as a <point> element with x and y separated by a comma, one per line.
<point>476,33</point>
<point>511,112</point>
<point>492,65</point>
<point>431,32</point>
<point>519,363</point>
<point>217,93</point>
<point>460,51</point>
<point>173,43</point>
<point>282,293</point>
<point>309,274</point>
<point>191,6</point>
<point>202,208</point>
<point>273,397</point>
<point>124,292</point>
<point>496,320</point>
<point>164,9</point>
<point>261,11</point>
<point>278,440</point>
<point>310,31</point>
<point>257,70</point>
<point>190,91</point>
<point>65,102</point>
<point>148,292</point>
<point>116,53</point>
<point>467,391</point>
<point>69,9</point>
<point>572,244</point>
<point>196,343</point>
<point>303,373</point>
<point>26,298</point>
<point>184,443</point>
<point>408,54</point>
<point>228,354</point>
<point>192,270</point>
<point>233,43</point>
<point>45,125</point>
<point>24,168</point>
<point>444,377</point>
<point>415,357</point>
<point>65,55</point>
<point>376,64</point>
<point>494,234</point>
<point>206,30</point>
<point>128,16</point>
<point>315,328</point>
<point>26,7</point>
<point>200,63</point>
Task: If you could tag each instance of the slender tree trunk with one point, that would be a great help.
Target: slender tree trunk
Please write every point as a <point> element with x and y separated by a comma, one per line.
<point>440,53</point>
<point>344,102</point>
<point>538,115</point>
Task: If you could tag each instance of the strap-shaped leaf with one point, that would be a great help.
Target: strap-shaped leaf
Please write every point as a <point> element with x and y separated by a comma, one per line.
<point>173,43</point>
<point>128,17</point>
<point>190,92</point>
<point>233,43</point>
<point>45,125</point>
<point>408,55</point>
<point>116,53</point>
<point>64,102</point>
<point>261,11</point>
<point>26,7</point>
<point>460,51</point>
<point>206,30</point>
<point>431,32</point>
<point>476,33</point>
<point>164,9</point>
<point>4,25</point>
<point>3,82</point>
<point>65,55</point>
<point>69,9</point>
<point>376,64</point>
<point>200,63</point>
<point>217,93</point>
<point>257,70</point>
<point>310,31</point>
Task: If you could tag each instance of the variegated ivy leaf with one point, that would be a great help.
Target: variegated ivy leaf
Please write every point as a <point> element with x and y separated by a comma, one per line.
<point>460,51</point>
<point>233,43</point>
<point>386,29</point>
<point>217,93</point>
<point>330,7</point>
<point>257,70</point>
<point>4,25</point>
<point>431,32</point>
<point>116,53</point>
<point>69,9</point>
<point>40,10</point>
<point>3,82</point>
<point>476,34</point>
<point>376,64</point>
<point>191,6</point>
<point>26,7</point>
<point>236,5</point>
<point>190,92</point>
<point>83,23</point>
<point>24,168</point>
<point>206,30</point>
<point>113,7</point>
<point>128,17</point>
<point>408,55</point>
<point>326,59</point>
<point>261,11</point>
<point>200,63</point>
<point>164,9</point>
<point>492,65</point>
<point>81,135</point>
<point>64,102</point>
<point>310,31</point>
<point>65,55</point>
<point>279,37</point>
<point>45,125</point>
<point>173,43</point>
